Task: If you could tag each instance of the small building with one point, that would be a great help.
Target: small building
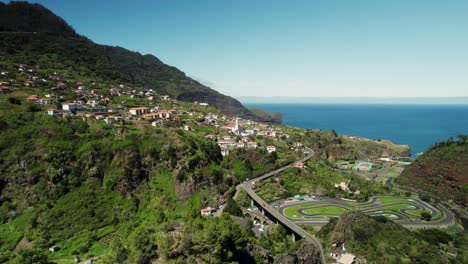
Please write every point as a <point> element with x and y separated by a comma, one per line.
<point>54,249</point>
<point>240,144</point>
<point>59,113</point>
<point>207,211</point>
<point>451,251</point>
<point>299,165</point>
<point>109,120</point>
<point>73,107</point>
<point>44,101</point>
<point>157,115</point>
<point>271,149</point>
<point>23,67</point>
<point>139,110</point>
<point>32,98</point>
<point>252,145</point>
<point>342,185</point>
<point>5,89</point>
<point>92,103</point>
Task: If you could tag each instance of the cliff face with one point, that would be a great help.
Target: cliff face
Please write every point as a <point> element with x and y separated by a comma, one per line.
<point>441,172</point>
<point>330,145</point>
<point>31,31</point>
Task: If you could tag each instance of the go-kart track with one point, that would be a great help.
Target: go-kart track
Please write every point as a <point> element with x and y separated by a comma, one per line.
<point>403,210</point>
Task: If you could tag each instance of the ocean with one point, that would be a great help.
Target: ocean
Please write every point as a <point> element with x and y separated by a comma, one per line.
<point>418,126</point>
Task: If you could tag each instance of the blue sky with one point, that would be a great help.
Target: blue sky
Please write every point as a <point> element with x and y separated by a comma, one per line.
<point>292,48</point>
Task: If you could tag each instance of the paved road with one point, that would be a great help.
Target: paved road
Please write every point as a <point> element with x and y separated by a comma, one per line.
<point>448,218</point>
<point>276,214</point>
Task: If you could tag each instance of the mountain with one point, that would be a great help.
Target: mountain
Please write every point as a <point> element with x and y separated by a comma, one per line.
<point>32,32</point>
<point>441,172</point>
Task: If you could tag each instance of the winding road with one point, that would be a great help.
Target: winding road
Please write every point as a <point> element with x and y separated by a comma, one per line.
<point>247,186</point>
<point>292,224</point>
<point>370,207</point>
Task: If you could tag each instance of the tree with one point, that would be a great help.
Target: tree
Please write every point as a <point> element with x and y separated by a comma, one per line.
<point>463,138</point>
<point>232,207</point>
<point>425,197</point>
<point>425,215</point>
<point>32,256</point>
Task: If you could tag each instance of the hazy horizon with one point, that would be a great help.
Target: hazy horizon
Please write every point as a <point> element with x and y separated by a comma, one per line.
<point>278,48</point>
<point>356,100</point>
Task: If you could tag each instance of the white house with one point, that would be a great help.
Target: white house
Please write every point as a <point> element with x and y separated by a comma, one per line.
<point>138,110</point>
<point>73,107</point>
<point>271,149</point>
<point>252,145</point>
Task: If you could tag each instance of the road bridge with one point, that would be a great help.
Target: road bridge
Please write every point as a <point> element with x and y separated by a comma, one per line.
<point>276,215</point>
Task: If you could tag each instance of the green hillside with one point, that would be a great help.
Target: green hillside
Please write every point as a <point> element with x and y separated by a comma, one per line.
<point>442,171</point>
<point>377,240</point>
<point>33,35</point>
<point>114,156</point>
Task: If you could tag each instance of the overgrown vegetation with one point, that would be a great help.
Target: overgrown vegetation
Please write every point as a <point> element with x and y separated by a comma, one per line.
<point>381,241</point>
<point>441,172</point>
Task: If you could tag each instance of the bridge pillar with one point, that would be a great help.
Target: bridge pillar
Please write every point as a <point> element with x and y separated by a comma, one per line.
<point>263,212</point>
<point>251,202</point>
<point>293,237</point>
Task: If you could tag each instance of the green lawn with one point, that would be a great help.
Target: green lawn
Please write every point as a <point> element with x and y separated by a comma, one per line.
<point>326,210</point>
<point>292,211</point>
<point>12,231</point>
<point>391,200</point>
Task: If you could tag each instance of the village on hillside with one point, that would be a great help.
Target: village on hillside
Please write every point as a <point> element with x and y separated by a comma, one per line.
<point>120,104</point>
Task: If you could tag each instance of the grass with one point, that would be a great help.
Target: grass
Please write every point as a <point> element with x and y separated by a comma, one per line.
<point>81,239</point>
<point>391,200</point>
<point>12,231</point>
<point>326,210</point>
<point>330,209</point>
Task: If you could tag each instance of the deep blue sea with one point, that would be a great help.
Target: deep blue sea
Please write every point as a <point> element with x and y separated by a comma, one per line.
<point>418,126</point>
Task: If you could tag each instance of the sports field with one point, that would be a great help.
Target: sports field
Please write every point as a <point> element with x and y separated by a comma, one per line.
<point>363,166</point>
<point>396,208</point>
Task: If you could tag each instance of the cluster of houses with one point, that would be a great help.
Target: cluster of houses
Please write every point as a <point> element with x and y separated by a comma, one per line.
<point>228,142</point>
<point>232,132</point>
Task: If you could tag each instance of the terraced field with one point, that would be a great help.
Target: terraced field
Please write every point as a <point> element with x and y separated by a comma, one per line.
<point>400,209</point>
